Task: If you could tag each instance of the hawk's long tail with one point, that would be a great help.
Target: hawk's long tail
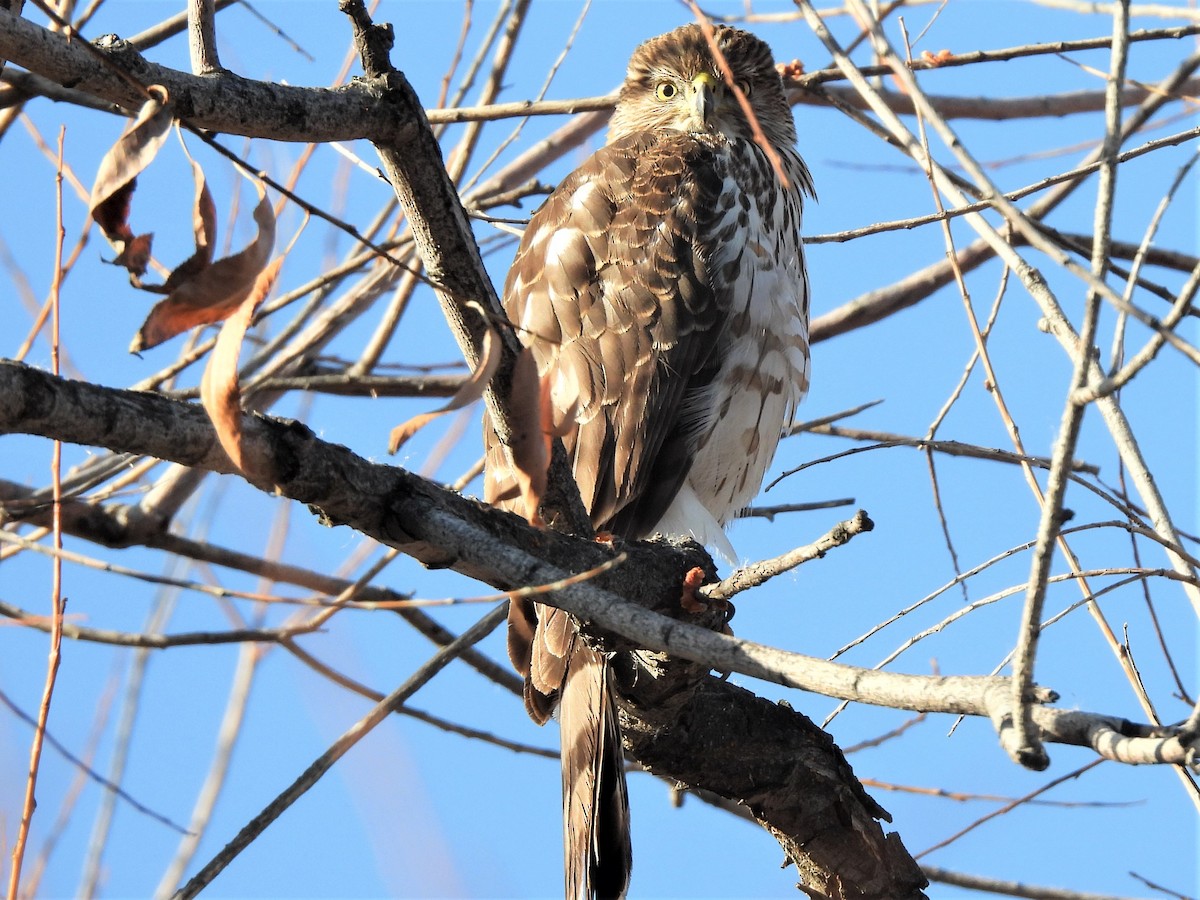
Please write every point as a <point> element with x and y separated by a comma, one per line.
<point>595,799</point>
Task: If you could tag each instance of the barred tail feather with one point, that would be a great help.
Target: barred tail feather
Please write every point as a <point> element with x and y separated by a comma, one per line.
<point>597,850</point>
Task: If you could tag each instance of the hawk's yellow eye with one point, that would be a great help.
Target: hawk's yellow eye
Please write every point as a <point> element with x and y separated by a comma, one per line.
<point>744,86</point>
<point>665,91</point>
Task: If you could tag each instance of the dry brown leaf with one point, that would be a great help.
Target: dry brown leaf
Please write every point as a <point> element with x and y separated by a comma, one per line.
<point>936,59</point>
<point>116,179</point>
<point>471,390</point>
<point>219,390</point>
<point>213,292</point>
<point>204,227</point>
<point>532,418</point>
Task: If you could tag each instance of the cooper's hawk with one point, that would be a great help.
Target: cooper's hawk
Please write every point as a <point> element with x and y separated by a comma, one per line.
<point>662,288</point>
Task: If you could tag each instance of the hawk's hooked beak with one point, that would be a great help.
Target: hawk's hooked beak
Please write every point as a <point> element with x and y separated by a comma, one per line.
<point>704,97</point>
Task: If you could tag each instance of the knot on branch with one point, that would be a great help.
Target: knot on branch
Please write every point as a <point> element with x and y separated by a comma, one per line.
<point>844,531</point>
<point>373,42</point>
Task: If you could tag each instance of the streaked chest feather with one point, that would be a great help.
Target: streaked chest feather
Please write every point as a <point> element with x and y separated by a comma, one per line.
<point>758,264</point>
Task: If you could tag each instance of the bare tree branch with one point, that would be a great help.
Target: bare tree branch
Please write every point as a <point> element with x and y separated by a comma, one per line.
<point>228,103</point>
<point>451,257</point>
<point>442,529</point>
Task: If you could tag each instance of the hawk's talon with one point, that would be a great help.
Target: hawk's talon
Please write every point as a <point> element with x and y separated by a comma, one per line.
<point>690,600</point>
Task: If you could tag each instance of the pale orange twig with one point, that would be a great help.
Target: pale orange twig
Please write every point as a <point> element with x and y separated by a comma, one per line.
<point>727,75</point>
<point>56,598</point>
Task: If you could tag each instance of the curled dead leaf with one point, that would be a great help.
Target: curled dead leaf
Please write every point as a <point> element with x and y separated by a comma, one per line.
<point>471,390</point>
<point>212,292</point>
<point>204,230</point>
<point>220,392</point>
<point>116,181</point>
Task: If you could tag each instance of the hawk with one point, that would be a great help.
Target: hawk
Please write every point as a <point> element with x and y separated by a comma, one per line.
<point>663,291</point>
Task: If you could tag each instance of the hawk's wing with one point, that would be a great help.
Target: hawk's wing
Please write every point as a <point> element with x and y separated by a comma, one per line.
<point>612,290</point>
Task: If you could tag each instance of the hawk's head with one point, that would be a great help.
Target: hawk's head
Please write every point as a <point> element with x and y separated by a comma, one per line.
<point>675,82</point>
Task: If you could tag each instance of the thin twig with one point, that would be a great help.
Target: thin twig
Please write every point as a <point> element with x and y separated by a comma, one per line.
<point>1009,888</point>
<point>1071,176</point>
<point>202,37</point>
<point>68,808</point>
<point>886,439</point>
<point>770,512</point>
<point>57,600</point>
<point>965,797</point>
<point>1029,750</point>
<point>93,863</point>
<point>1114,382</point>
<point>338,749</point>
<point>1158,887</point>
<point>62,750</point>
<point>1008,807</point>
<point>1034,283</point>
<point>974,57</point>
<point>152,641</point>
<point>753,575</point>
<point>882,739</point>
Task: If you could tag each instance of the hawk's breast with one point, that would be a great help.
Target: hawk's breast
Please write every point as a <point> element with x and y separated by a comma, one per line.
<point>758,273</point>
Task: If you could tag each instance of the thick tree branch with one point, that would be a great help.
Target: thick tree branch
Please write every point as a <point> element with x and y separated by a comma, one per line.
<point>227,103</point>
<point>12,7</point>
<point>433,525</point>
<point>790,776</point>
<point>451,257</point>
<point>441,529</point>
<point>121,525</point>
